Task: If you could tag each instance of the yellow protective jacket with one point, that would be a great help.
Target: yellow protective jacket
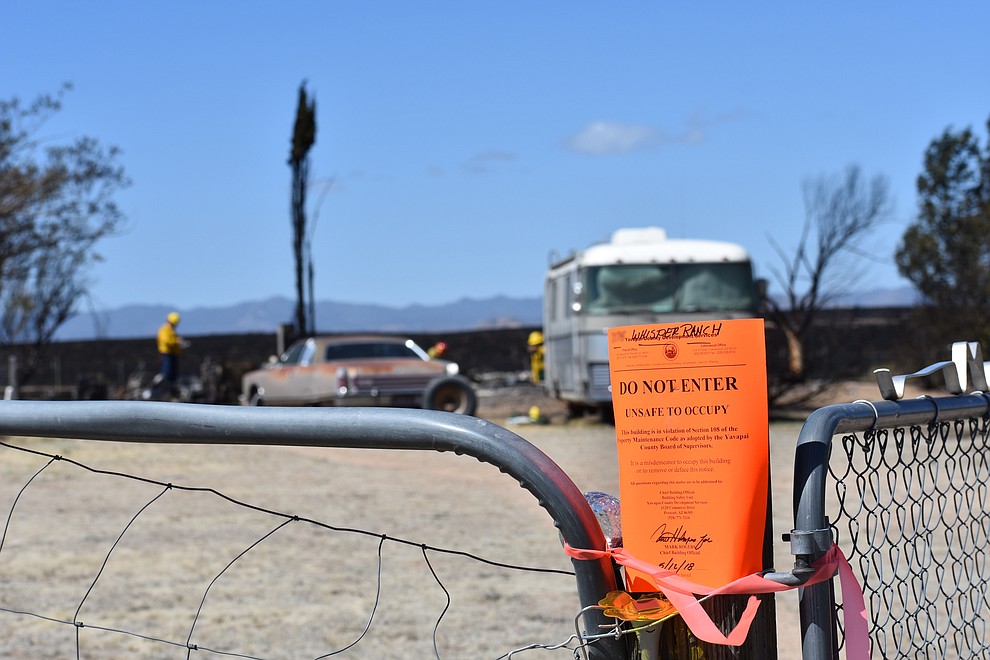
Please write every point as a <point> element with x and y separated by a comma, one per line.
<point>168,341</point>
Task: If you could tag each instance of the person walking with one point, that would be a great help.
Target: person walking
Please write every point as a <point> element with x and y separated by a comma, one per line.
<point>170,344</point>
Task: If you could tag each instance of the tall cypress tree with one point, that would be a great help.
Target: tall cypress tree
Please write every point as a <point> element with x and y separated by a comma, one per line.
<point>303,138</point>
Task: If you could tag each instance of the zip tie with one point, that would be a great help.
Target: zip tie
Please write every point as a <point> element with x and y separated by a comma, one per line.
<point>986,397</point>
<point>876,414</point>
<point>935,421</point>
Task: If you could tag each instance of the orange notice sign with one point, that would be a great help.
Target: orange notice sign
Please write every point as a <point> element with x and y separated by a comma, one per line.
<point>690,404</point>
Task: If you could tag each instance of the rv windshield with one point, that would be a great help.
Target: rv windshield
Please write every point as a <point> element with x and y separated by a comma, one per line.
<point>659,288</point>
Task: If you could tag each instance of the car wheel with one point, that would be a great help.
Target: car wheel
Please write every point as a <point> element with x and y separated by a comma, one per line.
<point>452,394</point>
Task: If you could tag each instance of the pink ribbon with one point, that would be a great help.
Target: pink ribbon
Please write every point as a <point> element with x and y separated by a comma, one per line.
<point>681,593</point>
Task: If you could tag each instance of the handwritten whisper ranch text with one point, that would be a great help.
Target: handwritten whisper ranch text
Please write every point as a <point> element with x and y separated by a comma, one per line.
<point>683,331</point>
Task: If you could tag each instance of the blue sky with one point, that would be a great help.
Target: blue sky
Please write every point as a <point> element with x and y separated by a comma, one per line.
<point>468,140</point>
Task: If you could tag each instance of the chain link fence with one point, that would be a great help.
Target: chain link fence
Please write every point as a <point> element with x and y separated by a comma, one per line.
<point>902,487</point>
<point>912,506</point>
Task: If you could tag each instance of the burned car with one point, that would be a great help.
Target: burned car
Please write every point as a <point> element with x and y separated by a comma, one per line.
<point>362,370</point>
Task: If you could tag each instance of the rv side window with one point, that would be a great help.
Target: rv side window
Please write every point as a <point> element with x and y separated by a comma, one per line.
<point>550,299</point>
<point>553,305</point>
<point>558,301</point>
<point>572,297</point>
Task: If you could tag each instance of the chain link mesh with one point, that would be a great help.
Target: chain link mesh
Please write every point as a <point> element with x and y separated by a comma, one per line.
<point>911,514</point>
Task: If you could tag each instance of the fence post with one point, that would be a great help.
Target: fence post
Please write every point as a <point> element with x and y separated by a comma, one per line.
<point>678,643</point>
<point>12,391</point>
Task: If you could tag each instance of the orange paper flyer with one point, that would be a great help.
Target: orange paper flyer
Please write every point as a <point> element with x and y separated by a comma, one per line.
<point>690,403</point>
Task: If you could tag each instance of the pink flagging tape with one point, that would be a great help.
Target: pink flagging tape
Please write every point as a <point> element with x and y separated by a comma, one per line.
<point>682,594</point>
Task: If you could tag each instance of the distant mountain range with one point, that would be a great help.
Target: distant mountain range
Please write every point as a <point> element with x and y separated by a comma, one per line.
<point>902,296</point>
<point>134,321</point>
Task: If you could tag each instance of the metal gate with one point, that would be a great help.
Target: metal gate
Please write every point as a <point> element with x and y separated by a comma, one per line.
<point>902,487</point>
<point>346,428</point>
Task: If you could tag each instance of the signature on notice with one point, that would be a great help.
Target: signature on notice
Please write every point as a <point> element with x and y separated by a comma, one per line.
<point>679,536</point>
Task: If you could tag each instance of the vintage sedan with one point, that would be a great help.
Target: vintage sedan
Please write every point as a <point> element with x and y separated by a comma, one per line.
<point>361,370</point>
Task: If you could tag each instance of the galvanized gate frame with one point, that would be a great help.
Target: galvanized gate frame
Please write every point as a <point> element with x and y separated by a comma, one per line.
<point>365,428</point>
<point>811,535</point>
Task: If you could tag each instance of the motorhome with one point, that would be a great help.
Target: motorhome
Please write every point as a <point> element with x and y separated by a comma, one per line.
<point>640,277</point>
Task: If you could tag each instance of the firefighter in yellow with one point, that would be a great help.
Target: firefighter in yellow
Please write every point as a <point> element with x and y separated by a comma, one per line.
<point>170,344</point>
<point>535,342</point>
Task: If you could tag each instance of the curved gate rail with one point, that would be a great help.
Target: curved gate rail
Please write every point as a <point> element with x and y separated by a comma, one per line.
<point>365,428</point>
<point>908,496</point>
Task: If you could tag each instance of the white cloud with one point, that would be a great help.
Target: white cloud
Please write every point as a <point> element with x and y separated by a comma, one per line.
<point>602,138</point>
<point>486,161</point>
<point>493,155</point>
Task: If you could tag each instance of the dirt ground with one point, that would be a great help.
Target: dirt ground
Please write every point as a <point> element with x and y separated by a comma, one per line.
<point>148,571</point>
<point>500,404</point>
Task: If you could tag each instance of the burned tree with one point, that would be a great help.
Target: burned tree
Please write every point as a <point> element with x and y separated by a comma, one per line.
<point>839,213</point>
<point>56,203</point>
<point>303,138</point>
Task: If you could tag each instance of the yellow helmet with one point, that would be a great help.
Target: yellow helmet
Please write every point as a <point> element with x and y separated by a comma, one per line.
<point>173,318</point>
<point>535,338</point>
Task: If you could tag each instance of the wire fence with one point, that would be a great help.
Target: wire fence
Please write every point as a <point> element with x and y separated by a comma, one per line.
<point>902,488</point>
<point>913,507</point>
<point>117,563</point>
